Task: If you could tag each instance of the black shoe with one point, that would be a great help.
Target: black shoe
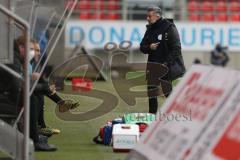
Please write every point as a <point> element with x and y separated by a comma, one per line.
<point>45,147</point>
<point>43,138</point>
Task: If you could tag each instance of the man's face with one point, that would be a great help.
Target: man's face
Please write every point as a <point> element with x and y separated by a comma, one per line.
<point>31,46</point>
<point>21,49</point>
<point>37,50</point>
<point>152,17</point>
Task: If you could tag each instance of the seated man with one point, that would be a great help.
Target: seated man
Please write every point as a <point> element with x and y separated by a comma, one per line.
<point>219,56</point>
<point>50,93</point>
<point>40,142</point>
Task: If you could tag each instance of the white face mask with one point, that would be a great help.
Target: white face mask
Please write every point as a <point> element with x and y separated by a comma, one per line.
<point>31,54</point>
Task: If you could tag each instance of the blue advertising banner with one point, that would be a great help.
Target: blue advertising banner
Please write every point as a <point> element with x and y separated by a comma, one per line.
<point>194,36</point>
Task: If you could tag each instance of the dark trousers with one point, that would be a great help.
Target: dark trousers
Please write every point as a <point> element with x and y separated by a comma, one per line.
<point>34,110</point>
<point>40,97</point>
<point>153,101</point>
<point>153,104</point>
<point>55,98</point>
<point>41,121</point>
<point>153,92</point>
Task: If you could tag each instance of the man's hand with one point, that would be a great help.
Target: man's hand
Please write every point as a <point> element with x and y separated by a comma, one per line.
<point>35,76</point>
<point>154,46</point>
<point>52,88</point>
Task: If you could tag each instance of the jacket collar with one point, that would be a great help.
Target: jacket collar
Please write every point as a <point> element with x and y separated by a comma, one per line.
<point>161,25</point>
<point>157,24</point>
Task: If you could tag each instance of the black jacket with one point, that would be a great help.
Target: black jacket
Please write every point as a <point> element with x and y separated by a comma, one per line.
<point>165,32</point>
<point>219,57</point>
<point>42,86</point>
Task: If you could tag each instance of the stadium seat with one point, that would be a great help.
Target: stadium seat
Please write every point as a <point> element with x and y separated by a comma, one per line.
<point>221,6</point>
<point>85,15</point>
<point>193,17</point>
<point>221,17</point>
<point>193,6</point>
<point>113,16</point>
<point>207,17</point>
<point>84,5</point>
<point>235,17</point>
<point>98,16</point>
<point>207,6</point>
<point>112,5</point>
<point>98,4</point>
<point>234,6</point>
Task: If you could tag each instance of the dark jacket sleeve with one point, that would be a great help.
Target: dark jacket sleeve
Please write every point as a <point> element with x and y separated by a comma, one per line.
<point>42,87</point>
<point>145,45</point>
<point>173,44</point>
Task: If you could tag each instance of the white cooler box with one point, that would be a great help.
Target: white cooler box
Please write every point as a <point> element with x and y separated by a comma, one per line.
<point>124,136</point>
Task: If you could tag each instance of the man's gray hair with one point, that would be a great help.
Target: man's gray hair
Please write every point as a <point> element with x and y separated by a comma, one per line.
<point>156,9</point>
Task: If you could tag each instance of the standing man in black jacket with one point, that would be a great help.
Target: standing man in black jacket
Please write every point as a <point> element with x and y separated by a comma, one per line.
<point>162,44</point>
